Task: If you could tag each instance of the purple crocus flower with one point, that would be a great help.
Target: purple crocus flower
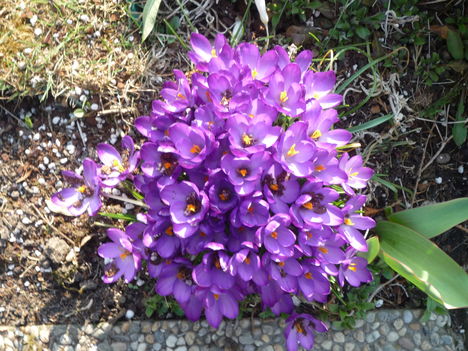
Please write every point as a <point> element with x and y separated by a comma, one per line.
<point>277,238</point>
<point>245,264</point>
<point>319,85</point>
<point>283,271</point>
<point>218,303</point>
<point>84,195</point>
<point>175,279</point>
<point>245,172</point>
<point>357,175</point>
<point>313,283</point>
<point>117,168</point>
<point>252,212</point>
<point>285,92</point>
<point>295,152</point>
<point>221,193</point>
<point>314,206</point>
<point>178,95</point>
<point>353,222</point>
<point>188,207</point>
<point>300,329</point>
<point>214,269</point>
<point>280,188</point>
<point>259,67</point>
<point>203,52</point>
<point>125,258</point>
<point>157,163</point>
<point>326,168</point>
<point>250,136</point>
<point>354,270</point>
<point>191,144</point>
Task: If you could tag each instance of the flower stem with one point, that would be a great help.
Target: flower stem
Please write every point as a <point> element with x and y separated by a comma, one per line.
<point>125,199</point>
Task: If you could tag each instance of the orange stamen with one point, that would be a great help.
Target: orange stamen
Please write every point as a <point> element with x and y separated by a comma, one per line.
<point>274,235</point>
<point>308,275</point>
<point>308,205</point>
<point>323,250</point>
<point>195,149</point>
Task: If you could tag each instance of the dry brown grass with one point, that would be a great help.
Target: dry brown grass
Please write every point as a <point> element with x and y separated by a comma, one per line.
<point>73,43</point>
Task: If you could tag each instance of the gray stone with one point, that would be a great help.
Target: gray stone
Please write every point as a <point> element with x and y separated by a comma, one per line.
<point>194,348</point>
<point>417,338</point>
<point>134,345</point>
<point>392,336</point>
<point>202,332</point>
<point>104,346</point>
<point>190,338</point>
<point>406,343</point>
<point>407,317</point>
<point>349,346</point>
<point>267,348</point>
<point>442,320</point>
<point>149,339</point>
<point>359,336</point>
<point>266,338</point>
<point>146,327</point>
<point>337,348</point>
<point>249,348</point>
<point>402,331</point>
<point>359,323</point>
<point>384,329</point>
<point>370,338</point>
<point>184,326</point>
<point>181,348</point>
<point>246,339</point>
<point>142,347</point>
<point>159,336</point>
<point>370,318</point>
<point>171,341</point>
<point>44,335</point>
<point>244,323</point>
<point>446,340</point>
<point>388,348</point>
<point>383,316</point>
<point>180,341</point>
<point>435,339</point>
<point>157,347</point>
<point>339,337</point>
<point>426,345</point>
<point>327,345</point>
<point>398,324</point>
<point>267,329</point>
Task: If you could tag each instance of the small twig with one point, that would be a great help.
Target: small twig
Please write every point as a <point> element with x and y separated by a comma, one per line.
<point>124,199</point>
<point>81,133</point>
<point>418,177</point>
<point>51,225</point>
<point>444,143</point>
<point>13,116</point>
<point>462,228</point>
<point>380,287</point>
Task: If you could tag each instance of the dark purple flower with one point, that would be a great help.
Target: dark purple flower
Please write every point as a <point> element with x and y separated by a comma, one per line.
<point>218,303</point>
<point>214,269</point>
<point>188,207</point>
<point>277,238</point>
<point>84,195</point>
<point>313,283</point>
<point>245,264</point>
<point>176,279</point>
<point>280,188</point>
<point>157,163</point>
<point>125,259</point>
<point>314,206</point>
<point>245,172</point>
<point>300,329</point>
<point>221,193</point>
<point>252,212</point>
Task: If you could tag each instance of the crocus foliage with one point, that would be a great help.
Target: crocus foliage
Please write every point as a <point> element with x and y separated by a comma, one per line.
<point>246,188</point>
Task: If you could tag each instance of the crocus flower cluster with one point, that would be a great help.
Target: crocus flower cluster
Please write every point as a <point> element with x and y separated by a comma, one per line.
<point>246,187</point>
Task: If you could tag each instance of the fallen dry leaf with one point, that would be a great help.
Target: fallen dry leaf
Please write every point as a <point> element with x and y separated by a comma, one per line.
<point>442,31</point>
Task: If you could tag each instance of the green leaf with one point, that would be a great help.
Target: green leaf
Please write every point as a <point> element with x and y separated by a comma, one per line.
<point>373,246</point>
<point>455,45</point>
<point>372,123</point>
<point>363,32</point>
<point>125,217</point>
<point>433,220</point>
<point>150,12</point>
<point>459,130</point>
<point>79,113</point>
<point>422,263</point>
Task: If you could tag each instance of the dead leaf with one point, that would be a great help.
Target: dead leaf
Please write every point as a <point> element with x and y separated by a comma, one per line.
<point>459,66</point>
<point>442,31</point>
<point>24,176</point>
<point>375,109</point>
<point>57,209</point>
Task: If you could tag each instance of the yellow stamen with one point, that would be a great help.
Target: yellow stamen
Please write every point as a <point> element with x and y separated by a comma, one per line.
<point>283,96</point>
<point>213,53</point>
<point>352,267</point>
<point>181,96</point>
<point>308,275</point>
<point>274,235</point>
<point>169,231</point>
<point>243,172</point>
<point>354,174</point>
<point>292,151</point>
<point>348,221</point>
<point>216,296</point>
<point>195,149</point>
<point>308,205</point>
<point>125,254</point>
<point>274,187</point>
<point>167,165</point>
<point>281,264</point>
<point>247,260</point>
<point>191,208</point>
<point>316,96</point>
<point>118,165</point>
<point>81,189</point>
<point>323,250</point>
<point>254,73</point>
<point>247,140</point>
<point>316,134</point>
<point>251,115</point>
<point>319,168</point>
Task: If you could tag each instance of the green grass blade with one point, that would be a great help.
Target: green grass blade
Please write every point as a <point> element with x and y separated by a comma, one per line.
<point>371,124</point>
<point>122,216</point>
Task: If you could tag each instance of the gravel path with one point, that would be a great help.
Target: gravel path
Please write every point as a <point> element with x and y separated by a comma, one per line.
<point>384,330</point>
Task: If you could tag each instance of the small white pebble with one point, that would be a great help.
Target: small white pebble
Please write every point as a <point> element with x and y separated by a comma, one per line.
<point>130,55</point>
<point>129,314</point>
<point>140,282</point>
<point>27,283</point>
<point>21,65</point>
<point>56,120</point>
<point>27,151</point>
<point>41,181</point>
<point>35,190</point>
<point>42,167</point>
<point>83,98</point>
<point>59,184</point>
<point>438,180</point>
<point>33,20</point>
<point>69,21</point>
<point>19,212</point>
<point>131,38</point>
<point>97,34</point>
<point>70,148</point>
<point>52,165</point>
<point>94,107</point>
<point>461,169</point>
<point>379,303</point>
<point>116,191</point>
<point>63,160</point>
<point>36,136</point>
<point>26,220</point>
<point>38,31</point>
<point>20,133</point>
<point>27,51</point>
<point>37,252</point>
<point>37,268</point>
<point>84,18</point>
<point>58,143</point>
<point>45,160</point>
<point>38,224</point>
<point>78,90</point>
<point>11,266</point>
